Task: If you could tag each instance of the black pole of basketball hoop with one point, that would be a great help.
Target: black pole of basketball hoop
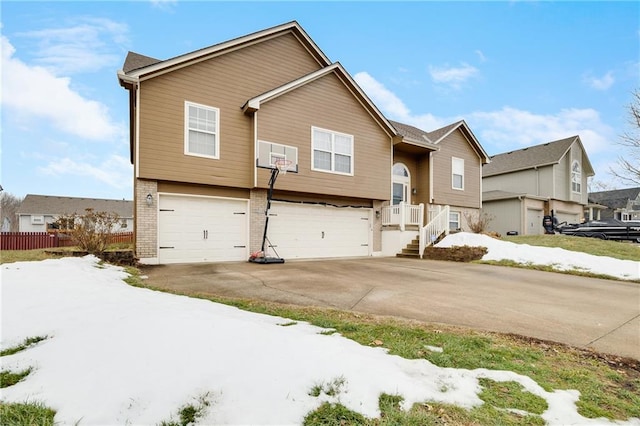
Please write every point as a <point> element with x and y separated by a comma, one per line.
<point>264,258</point>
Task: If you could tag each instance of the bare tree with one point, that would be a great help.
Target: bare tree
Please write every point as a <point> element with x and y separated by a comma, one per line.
<point>9,205</point>
<point>628,170</point>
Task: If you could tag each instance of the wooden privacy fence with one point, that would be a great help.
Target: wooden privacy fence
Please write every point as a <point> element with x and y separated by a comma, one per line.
<point>40,240</point>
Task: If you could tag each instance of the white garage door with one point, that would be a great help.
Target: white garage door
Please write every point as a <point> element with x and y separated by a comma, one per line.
<point>567,217</point>
<point>202,229</point>
<point>304,231</point>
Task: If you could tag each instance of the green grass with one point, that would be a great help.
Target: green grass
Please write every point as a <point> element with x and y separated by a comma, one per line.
<point>11,256</point>
<point>510,395</point>
<point>595,246</point>
<point>28,414</point>
<point>9,378</point>
<point>189,414</point>
<point>29,341</point>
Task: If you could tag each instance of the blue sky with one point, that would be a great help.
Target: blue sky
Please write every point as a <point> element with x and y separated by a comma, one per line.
<point>520,73</point>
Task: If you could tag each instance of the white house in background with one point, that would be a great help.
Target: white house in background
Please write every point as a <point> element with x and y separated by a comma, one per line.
<point>37,213</point>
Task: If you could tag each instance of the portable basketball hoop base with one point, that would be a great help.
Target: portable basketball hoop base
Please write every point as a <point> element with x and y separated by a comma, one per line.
<point>281,166</point>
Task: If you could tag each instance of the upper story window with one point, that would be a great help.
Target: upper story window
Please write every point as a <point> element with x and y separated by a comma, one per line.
<point>576,177</point>
<point>332,151</point>
<point>457,173</point>
<point>201,130</point>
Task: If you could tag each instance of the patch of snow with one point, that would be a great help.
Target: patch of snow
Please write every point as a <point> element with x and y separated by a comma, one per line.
<point>558,258</point>
<point>118,354</point>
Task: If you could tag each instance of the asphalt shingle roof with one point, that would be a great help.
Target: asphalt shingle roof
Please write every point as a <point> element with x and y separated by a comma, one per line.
<point>616,198</point>
<point>526,158</point>
<point>133,61</point>
<point>53,205</point>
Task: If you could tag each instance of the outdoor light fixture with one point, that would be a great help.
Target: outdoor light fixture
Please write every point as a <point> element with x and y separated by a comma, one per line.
<point>149,199</point>
<point>377,214</point>
<point>414,191</point>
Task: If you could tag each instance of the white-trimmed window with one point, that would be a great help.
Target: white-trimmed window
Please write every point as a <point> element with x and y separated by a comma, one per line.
<point>201,130</point>
<point>332,151</point>
<point>457,173</point>
<point>454,221</point>
<point>576,177</point>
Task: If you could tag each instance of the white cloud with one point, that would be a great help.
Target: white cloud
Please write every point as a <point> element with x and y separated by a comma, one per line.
<point>453,76</point>
<point>510,126</point>
<point>89,45</point>
<point>481,55</point>
<point>602,83</point>
<point>34,93</point>
<point>166,5</point>
<point>392,106</point>
<point>115,170</point>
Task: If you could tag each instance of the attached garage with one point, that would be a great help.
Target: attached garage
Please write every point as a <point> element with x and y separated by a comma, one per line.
<point>202,229</point>
<point>306,231</point>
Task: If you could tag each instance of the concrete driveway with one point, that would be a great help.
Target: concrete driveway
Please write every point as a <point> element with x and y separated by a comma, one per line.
<point>585,312</point>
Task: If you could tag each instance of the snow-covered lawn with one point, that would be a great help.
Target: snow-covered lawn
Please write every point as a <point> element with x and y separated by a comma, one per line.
<point>558,258</point>
<point>118,354</point>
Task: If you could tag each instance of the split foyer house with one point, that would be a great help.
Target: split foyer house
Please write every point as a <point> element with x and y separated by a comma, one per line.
<point>521,187</point>
<point>206,126</point>
<point>38,213</point>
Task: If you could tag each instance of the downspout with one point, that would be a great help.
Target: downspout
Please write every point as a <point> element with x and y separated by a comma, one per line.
<point>523,216</point>
<point>255,149</point>
<point>431,177</point>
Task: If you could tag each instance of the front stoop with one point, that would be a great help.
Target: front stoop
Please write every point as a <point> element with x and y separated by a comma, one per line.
<point>412,249</point>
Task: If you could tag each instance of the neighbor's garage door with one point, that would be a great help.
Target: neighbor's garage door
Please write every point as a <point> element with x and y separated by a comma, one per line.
<point>202,229</point>
<point>313,231</point>
<point>567,217</point>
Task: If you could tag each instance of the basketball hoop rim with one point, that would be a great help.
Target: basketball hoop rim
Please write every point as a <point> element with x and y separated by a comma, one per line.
<point>283,165</point>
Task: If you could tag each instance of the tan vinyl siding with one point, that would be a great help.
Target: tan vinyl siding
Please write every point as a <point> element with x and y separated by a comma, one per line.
<point>507,215</point>
<point>226,83</point>
<point>326,103</point>
<point>562,179</point>
<point>456,145</point>
<point>419,169</point>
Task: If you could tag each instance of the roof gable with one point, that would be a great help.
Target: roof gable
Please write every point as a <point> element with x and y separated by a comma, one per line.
<point>149,69</point>
<point>255,103</point>
<point>55,205</point>
<point>545,154</point>
<point>437,136</point>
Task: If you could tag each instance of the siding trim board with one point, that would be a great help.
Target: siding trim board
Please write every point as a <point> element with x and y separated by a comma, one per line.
<point>207,53</point>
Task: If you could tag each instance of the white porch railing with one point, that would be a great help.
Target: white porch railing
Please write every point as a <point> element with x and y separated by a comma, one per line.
<point>438,224</point>
<point>403,214</point>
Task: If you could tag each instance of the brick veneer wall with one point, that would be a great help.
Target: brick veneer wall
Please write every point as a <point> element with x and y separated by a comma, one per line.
<point>146,219</point>
<point>258,204</point>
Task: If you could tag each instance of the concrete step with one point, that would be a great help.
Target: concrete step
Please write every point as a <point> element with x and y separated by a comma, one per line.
<point>409,255</point>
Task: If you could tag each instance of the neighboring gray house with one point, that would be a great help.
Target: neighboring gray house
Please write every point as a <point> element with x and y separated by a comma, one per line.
<point>38,212</point>
<point>621,204</point>
<point>521,187</point>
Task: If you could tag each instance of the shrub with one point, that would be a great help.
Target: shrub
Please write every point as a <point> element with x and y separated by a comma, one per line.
<point>91,230</point>
<point>478,222</point>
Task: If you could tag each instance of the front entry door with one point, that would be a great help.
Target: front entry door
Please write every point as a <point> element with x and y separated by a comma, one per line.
<point>401,184</point>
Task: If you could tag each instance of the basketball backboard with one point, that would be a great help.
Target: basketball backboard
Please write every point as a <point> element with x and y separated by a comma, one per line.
<point>269,153</point>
